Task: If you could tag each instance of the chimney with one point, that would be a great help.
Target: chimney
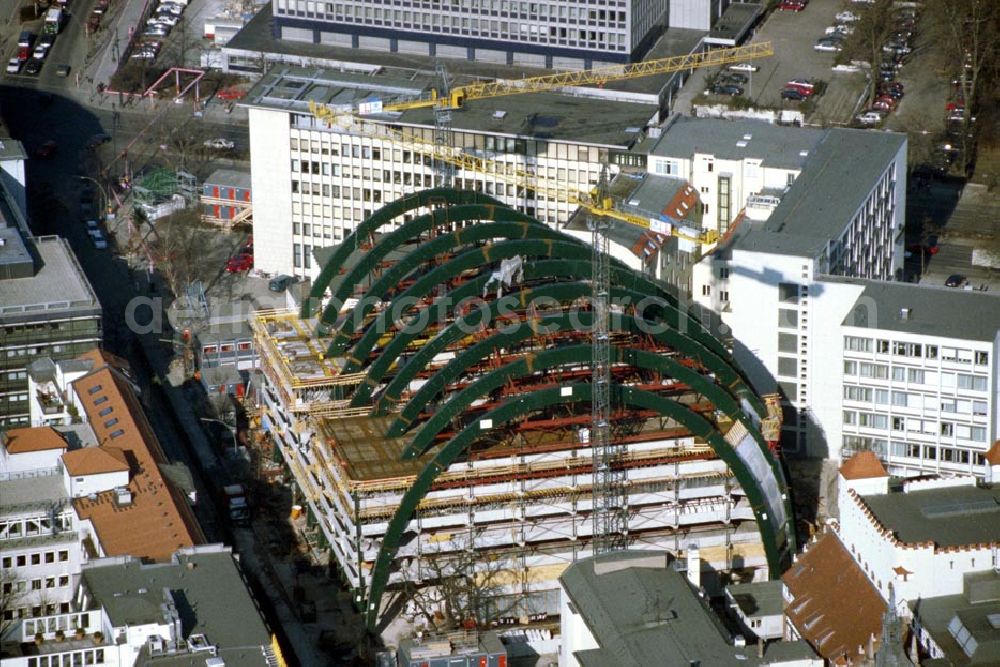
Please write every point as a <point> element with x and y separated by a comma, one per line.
<point>694,565</point>
<point>123,497</point>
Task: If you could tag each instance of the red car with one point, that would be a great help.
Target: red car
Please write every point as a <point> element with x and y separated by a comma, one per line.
<point>239,264</point>
<point>792,6</point>
<point>230,94</point>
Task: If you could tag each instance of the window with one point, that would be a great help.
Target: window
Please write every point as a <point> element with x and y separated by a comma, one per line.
<point>914,375</point>
<point>106,411</point>
<point>973,382</point>
<point>876,371</point>
<point>856,344</point>
<point>102,399</point>
<point>788,292</point>
<point>93,390</point>
<point>898,374</point>
<point>881,397</point>
<point>788,342</point>
<point>111,422</point>
<point>850,367</point>
<point>850,417</point>
<point>982,358</point>
<point>788,318</point>
<point>932,351</point>
<point>63,556</point>
<point>296,255</point>
<point>787,366</point>
<point>115,434</point>
<point>706,290</point>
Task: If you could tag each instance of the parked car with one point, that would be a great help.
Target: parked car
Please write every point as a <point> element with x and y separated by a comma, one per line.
<point>101,6</point>
<point>727,89</point>
<point>955,280</point>
<point>239,263</point>
<point>219,144</point>
<point>92,226</point>
<point>802,84</point>
<point>840,30</point>
<point>168,20</point>
<point>791,6</point>
<point>743,67</point>
<point>847,16</point>
<point>156,30</point>
<point>40,52</point>
<point>62,70</point>
<point>869,118</point>
<point>33,66</point>
<point>793,94</point>
<point>13,65</point>
<point>827,45</point>
<point>170,8</point>
<point>97,236</point>
<point>280,283</point>
<point>46,150</point>
<point>733,77</point>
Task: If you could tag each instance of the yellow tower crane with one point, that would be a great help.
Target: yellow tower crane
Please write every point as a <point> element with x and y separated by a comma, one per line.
<point>598,204</point>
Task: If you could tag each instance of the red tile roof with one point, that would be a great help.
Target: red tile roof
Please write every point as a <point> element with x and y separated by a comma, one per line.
<point>95,461</point>
<point>158,521</point>
<point>993,456</point>
<point>834,606</point>
<point>38,439</point>
<point>863,465</point>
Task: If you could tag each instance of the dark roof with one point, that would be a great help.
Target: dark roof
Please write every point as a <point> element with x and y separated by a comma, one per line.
<point>208,591</point>
<point>644,612</point>
<point>834,606</point>
<point>832,186</point>
<point>759,598</point>
<point>976,617</point>
<point>931,310</point>
<point>947,517</point>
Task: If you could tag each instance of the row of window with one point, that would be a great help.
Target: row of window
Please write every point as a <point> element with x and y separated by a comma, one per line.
<point>36,558</point>
<point>910,424</point>
<point>76,658</point>
<point>854,443</point>
<point>914,400</point>
<point>902,349</point>
<point>29,526</point>
<point>24,585</point>
<point>875,371</point>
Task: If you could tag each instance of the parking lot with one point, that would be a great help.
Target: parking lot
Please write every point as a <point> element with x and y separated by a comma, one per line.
<point>793,35</point>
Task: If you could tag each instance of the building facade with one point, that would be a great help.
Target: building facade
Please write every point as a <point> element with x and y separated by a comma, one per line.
<point>561,34</point>
<point>49,309</point>
<point>314,184</point>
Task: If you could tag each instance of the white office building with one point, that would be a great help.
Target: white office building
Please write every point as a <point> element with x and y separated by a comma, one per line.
<point>563,34</point>
<point>313,184</point>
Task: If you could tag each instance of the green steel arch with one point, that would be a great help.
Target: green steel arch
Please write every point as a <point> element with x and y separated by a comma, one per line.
<point>561,292</point>
<point>507,223</point>
<point>440,274</point>
<point>416,258</point>
<point>381,217</point>
<point>554,268</point>
<point>777,541</point>
<point>574,261</point>
<point>561,356</point>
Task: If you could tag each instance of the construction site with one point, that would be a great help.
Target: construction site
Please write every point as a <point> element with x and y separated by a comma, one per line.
<point>432,400</point>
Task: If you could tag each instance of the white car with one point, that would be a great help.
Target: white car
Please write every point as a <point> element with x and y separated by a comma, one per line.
<point>869,118</point>
<point>220,144</point>
<point>840,30</point>
<point>41,51</point>
<point>170,8</point>
<point>846,16</point>
<point>98,238</point>
<point>744,67</point>
<point>826,46</point>
<point>13,66</point>
<point>164,19</point>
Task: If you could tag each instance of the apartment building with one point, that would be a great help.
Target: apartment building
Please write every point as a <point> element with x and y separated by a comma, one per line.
<point>48,309</point>
<point>41,539</point>
<point>555,34</point>
<point>313,184</point>
<point>195,608</point>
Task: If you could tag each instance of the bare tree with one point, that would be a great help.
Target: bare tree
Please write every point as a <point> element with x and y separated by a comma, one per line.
<point>180,251</point>
<point>463,588</point>
<point>966,34</point>
<point>870,33</point>
<point>13,591</point>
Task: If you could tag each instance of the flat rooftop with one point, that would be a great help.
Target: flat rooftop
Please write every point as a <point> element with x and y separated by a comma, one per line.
<point>642,611</point>
<point>58,287</point>
<point>23,493</point>
<point>761,598</point>
<point>229,178</point>
<point>540,115</point>
<point>831,187</point>
<point>948,517</point>
<point>976,617</point>
<point>777,147</point>
<point>931,310</point>
<point>209,592</point>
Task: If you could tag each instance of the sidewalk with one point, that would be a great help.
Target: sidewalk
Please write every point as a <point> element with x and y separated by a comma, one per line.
<point>128,18</point>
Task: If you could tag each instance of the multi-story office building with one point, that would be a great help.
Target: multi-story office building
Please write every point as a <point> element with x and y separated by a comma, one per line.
<point>313,184</point>
<point>560,34</point>
<point>48,309</point>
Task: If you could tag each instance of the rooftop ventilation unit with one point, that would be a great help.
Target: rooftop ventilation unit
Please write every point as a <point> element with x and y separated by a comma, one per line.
<point>499,115</point>
<point>803,153</point>
<point>742,143</point>
<point>905,313</point>
<point>123,497</point>
<point>747,137</point>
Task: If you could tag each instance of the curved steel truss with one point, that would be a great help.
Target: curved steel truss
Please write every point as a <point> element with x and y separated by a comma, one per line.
<point>455,360</point>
